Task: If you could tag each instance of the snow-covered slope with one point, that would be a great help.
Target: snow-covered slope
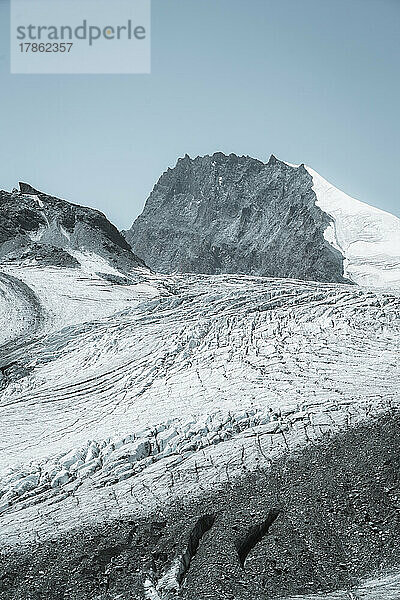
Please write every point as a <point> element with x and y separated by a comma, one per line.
<point>367,237</point>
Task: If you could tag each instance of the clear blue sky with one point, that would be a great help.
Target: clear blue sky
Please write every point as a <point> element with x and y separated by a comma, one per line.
<point>313,81</point>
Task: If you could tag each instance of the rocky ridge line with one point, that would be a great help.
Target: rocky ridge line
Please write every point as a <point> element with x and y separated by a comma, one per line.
<point>39,228</point>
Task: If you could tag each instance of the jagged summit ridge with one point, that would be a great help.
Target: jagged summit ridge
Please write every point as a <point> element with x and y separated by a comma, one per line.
<point>236,214</point>
<point>216,214</point>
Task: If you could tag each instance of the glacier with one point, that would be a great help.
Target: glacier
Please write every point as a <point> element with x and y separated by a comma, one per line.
<point>126,392</point>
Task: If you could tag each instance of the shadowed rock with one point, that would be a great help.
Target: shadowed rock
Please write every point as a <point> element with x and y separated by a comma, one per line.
<point>37,227</point>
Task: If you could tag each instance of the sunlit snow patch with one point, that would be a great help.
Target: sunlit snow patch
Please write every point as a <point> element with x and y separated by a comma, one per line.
<point>367,237</point>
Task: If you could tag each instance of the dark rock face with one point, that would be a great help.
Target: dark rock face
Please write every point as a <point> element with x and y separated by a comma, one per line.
<point>41,254</point>
<point>229,214</point>
<point>26,188</point>
<point>37,227</point>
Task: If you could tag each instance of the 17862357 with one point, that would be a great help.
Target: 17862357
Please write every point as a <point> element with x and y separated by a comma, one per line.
<point>46,47</point>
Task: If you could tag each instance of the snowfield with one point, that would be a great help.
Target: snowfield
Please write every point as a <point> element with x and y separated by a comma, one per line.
<point>119,398</point>
<point>367,237</point>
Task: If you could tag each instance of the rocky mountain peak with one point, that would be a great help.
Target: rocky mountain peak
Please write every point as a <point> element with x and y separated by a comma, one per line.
<point>235,214</point>
<point>26,188</point>
<point>38,227</point>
